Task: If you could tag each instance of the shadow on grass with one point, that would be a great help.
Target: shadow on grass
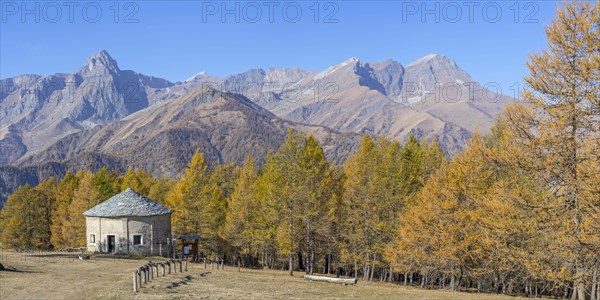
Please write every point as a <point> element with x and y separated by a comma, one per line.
<point>13,270</point>
<point>59,255</point>
<point>184,281</point>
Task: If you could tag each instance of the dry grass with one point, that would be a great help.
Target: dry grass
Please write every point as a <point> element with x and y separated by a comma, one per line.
<point>60,276</point>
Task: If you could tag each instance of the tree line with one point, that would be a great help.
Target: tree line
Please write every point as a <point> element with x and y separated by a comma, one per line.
<point>517,212</point>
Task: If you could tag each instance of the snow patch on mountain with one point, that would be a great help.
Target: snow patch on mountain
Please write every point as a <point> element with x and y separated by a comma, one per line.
<point>424,59</point>
<point>333,69</point>
<point>197,76</point>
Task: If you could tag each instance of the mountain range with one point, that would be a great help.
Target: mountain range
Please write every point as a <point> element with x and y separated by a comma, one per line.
<point>104,116</point>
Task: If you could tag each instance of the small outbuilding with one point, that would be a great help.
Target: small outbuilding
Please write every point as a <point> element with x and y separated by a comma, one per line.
<point>129,223</point>
<point>189,245</point>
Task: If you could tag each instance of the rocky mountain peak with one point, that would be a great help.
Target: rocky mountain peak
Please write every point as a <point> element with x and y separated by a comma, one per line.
<point>428,58</point>
<point>198,76</point>
<point>434,69</point>
<point>100,63</point>
<point>434,60</point>
<point>351,60</point>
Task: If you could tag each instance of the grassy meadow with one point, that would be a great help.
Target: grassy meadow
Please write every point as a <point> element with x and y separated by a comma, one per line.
<point>51,275</point>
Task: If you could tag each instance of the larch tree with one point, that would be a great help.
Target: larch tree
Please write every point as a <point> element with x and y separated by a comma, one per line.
<point>286,180</point>
<point>160,189</point>
<point>295,189</point>
<point>557,130</point>
<point>14,218</point>
<point>64,195</point>
<point>315,174</point>
<point>185,197</point>
<point>360,197</point>
<point>242,212</point>
<point>86,196</point>
<point>221,185</point>
<point>332,226</point>
<point>46,204</point>
<point>268,212</point>
<point>25,219</point>
<point>105,182</point>
<point>140,181</point>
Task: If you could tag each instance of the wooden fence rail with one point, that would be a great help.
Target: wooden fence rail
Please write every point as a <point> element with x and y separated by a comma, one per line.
<point>144,274</point>
<point>218,262</point>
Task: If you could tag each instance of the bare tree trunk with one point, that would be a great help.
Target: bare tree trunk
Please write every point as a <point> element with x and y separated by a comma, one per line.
<point>301,261</point>
<point>580,288</point>
<point>366,269</point>
<point>594,284</point>
<point>271,260</point>
<point>307,262</point>
<point>262,258</point>
<point>578,292</point>
<point>291,271</point>
<point>291,266</point>
<point>496,282</point>
<point>312,260</point>
<point>581,291</point>
<point>406,278</point>
<point>443,282</point>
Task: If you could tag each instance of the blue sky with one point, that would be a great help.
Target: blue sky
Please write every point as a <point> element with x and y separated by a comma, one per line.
<point>174,40</point>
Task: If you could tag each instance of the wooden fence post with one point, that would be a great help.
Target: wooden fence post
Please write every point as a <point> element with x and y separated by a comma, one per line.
<point>168,265</point>
<point>222,264</point>
<point>145,274</point>
<point>205,263</point>
<point>135,287</point>
<point>185,263</point>
<point>150,271</point>
<point>163,268</point>
<point>180,266</point>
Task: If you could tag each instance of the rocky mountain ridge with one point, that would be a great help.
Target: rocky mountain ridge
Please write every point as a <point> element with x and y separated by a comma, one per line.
<point>102,115</point>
